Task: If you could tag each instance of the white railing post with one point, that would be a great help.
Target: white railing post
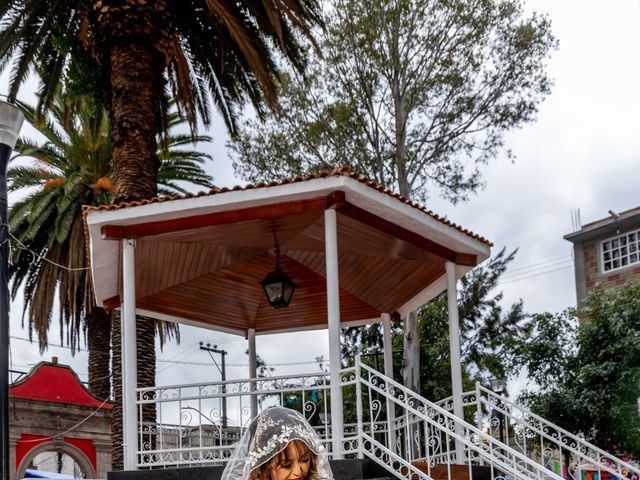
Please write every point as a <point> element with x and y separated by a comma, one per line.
<point>388,372</point>
<point>129,359</point>
<point>253,373</point>
<point>359,426</point>
<point>333,312</point>
<point>478,406</point>
<point>454,348</point>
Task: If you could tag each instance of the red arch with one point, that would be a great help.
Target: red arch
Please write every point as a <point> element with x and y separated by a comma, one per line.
<point>28,442</point>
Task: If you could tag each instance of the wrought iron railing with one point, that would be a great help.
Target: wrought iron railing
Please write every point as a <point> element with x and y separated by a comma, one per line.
<point>191,426</point>
<point>425,441</point>
<point>194,426</point>
<point>551,446</point>
<point>394,426</point>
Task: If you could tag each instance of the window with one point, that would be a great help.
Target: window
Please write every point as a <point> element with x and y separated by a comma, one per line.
<point>621,251</point>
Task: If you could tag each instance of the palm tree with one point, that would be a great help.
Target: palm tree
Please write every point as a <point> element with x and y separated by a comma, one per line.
<point>73,168</point>
<point>135,51</point>
<point>144,49</point>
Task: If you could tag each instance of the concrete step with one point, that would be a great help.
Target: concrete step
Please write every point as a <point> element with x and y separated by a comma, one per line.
<point>342,470</point>
<point>442,471</point>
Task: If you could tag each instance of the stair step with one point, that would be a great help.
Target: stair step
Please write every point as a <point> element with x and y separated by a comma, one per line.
<point>441,471</point>
<point>350,469</point>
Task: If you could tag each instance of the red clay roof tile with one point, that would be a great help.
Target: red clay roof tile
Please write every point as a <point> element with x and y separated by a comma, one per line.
<point>341,171</point>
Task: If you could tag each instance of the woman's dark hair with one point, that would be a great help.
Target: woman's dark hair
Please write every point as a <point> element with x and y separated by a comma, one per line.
<point>263,472</point>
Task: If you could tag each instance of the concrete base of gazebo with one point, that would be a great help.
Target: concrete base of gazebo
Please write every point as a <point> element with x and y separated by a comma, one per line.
<point>353,469</point>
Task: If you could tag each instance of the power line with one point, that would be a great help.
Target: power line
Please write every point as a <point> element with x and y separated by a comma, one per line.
<point>62,434</point>
<point>35,254</point>
<point>77,349</point>
<point>534,275</point>
<point>286,364</point>
<point>534,268</point>
<point>537,264</point>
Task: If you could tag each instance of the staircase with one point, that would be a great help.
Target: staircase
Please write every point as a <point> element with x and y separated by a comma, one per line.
<point>397,433</point>
<point>531,435</point>
<point>424,441</point>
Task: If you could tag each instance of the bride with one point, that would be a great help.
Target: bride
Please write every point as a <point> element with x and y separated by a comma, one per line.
<point>279,444</point>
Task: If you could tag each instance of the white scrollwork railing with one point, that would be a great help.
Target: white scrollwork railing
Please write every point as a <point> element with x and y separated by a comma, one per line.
<point>199,423</point>
<point>550,445</point>
<point>425,441</point>
<point>413,438</point>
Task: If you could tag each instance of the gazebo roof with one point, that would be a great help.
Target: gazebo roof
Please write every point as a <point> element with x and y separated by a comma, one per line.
<point>199,258</point>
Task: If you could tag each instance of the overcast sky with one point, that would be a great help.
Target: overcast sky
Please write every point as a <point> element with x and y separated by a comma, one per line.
<point>582,153</point>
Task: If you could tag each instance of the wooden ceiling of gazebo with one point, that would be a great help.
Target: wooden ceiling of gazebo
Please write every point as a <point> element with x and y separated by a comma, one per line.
<point>204,266</point>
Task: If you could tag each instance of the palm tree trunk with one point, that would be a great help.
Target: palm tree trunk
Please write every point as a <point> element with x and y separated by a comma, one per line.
<point>137,90</point>
<point>99,340</point>
<point>116,369</point>
<point>146,353</point>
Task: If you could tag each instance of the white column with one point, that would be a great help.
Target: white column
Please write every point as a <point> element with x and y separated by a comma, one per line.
<point>129,358</point>
<point>388,372</point>
<point>333,313</point>
<point>253,373</point>
<point>386,345</point>
<point>454,349</point>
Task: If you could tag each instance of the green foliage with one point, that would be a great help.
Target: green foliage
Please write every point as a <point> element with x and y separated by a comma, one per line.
<point>72,168</point>
<point>415,94</point>
<point>224,51</point>
<point>487,331</point>
<point>588,375</point>
<point>547,349</point>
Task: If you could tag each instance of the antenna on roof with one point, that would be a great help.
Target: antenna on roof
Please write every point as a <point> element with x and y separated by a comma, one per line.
<point>576,221</point>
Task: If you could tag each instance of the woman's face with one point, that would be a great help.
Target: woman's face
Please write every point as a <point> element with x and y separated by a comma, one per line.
<point>293,463</point>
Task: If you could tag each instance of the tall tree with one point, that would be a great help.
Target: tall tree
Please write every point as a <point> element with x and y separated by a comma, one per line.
<point>143,50</point>
<point>195,49</point>
<point>412,93</point>
<point>415,94</point>
<point>71,168</point>
<point>585,377</point>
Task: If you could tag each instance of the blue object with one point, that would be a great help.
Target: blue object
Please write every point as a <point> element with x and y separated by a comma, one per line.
<point>43,474</point>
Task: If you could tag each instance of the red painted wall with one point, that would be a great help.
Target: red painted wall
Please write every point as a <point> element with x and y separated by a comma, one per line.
<point>55,383</point>
<point>28,441</point>
<point>86,446</point>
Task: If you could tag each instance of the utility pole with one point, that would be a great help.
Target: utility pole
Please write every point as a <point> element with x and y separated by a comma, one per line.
<point>223,372</point>
<point>11,119</point>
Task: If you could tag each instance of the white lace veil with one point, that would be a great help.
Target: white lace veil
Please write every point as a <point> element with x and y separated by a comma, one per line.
<point>267,435</point>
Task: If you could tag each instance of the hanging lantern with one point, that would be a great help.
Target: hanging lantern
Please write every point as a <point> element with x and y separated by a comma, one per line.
<point>278,287</point>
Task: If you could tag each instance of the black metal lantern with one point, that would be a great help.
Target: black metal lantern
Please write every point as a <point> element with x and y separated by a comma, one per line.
<point>278,287</point>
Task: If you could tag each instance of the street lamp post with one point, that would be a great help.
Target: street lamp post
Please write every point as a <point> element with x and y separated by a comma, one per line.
<point>498,386</point>
<point>11,119</point>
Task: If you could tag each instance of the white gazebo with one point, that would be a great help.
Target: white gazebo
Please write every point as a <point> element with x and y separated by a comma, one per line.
<point>358,253</point>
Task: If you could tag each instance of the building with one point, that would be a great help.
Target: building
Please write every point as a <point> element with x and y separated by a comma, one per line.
<point>607,252</point>
<point>57,425</point>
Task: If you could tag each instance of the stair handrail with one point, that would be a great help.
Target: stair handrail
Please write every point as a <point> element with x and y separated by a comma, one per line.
<point>564,439</point>
<point>486,448</point>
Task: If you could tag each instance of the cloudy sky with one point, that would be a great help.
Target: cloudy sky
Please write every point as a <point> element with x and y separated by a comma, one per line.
<point>582,153</point>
